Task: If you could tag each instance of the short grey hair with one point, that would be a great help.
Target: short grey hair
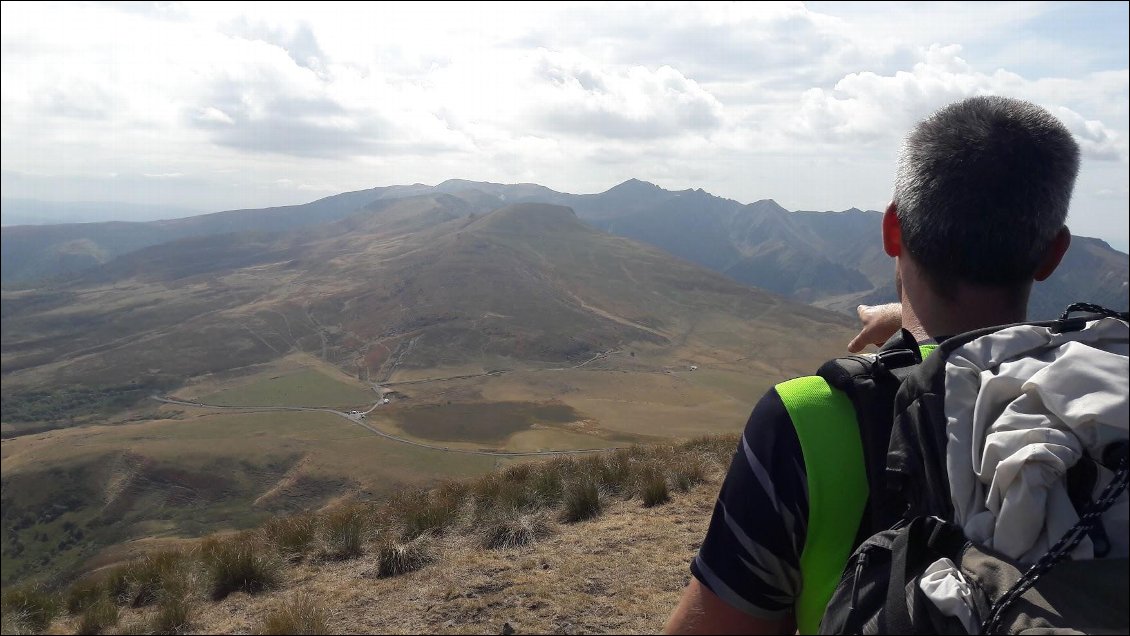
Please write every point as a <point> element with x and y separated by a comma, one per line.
<point>983,187</point>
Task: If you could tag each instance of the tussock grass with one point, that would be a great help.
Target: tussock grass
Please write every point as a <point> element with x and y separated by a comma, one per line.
<point>617,472</point>
<point>97,617</point>
<point>83,594</point>
<point>143,581</point>
<point>173,615</point>
<point>299,614</point>
<point>395,557</point>
<point>509,508</point>
<point>653,489</point>
<point>688,471</point>
<point>581,501</point>
<point>426,513</point>
<point>500,491</point>
<point>513,528</point>
<point>344,532</point>
<point>28,608</point>
<point>237,564</point>
<point>547,484</point>
<point>293,537</point>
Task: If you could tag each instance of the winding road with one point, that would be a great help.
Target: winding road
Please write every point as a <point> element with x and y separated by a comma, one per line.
<point>359,420</point>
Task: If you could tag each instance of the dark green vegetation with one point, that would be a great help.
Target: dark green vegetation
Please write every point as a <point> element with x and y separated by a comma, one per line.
<point>51,527</point>
<point>64,407</point>
<point>480,422</point>
<point>500,510</point>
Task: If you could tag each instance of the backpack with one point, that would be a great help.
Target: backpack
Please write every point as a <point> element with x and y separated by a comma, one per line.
<point>940,549</point>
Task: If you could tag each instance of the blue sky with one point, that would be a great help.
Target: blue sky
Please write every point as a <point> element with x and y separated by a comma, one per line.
<point>218,106</point>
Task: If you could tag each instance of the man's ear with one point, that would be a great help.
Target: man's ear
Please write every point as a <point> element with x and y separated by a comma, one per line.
<point>1054,254</point>
<point>892,232</point>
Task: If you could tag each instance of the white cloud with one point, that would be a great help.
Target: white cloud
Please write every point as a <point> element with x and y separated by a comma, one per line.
<point>748,100</point>
<point>868,107</point>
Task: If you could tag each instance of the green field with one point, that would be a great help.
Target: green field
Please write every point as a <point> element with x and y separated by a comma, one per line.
<point>308,387</point>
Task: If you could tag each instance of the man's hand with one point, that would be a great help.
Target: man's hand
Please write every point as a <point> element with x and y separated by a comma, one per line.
<point>880,322</point>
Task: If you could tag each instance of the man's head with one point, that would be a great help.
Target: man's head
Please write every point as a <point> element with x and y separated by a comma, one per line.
<point>982,193</point>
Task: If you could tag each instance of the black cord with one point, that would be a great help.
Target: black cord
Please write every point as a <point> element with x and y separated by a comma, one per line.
<point>1061,549</point>
<point>1090,308</point>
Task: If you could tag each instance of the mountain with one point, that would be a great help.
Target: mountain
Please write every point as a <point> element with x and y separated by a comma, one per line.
<point>828,259</point>
<point>421,281</point>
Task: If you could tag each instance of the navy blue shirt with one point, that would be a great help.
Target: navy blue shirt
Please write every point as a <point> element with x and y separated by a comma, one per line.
<point>751,555</point>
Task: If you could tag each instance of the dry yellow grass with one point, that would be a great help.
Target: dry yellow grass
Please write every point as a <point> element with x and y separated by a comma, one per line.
<point>621,573</point>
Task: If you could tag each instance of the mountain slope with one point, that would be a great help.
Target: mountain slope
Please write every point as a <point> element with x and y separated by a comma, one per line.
<point>829,259</point>
<point>415,282</point>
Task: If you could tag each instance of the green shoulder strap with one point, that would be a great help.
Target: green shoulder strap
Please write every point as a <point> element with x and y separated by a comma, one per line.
<point>837,489</point>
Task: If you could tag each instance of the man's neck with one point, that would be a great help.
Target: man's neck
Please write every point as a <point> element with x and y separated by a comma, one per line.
<point>928,315</point>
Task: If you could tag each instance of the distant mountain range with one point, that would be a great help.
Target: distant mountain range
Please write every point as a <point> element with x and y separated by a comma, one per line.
<point>828,259</point>
<point>420,281</point>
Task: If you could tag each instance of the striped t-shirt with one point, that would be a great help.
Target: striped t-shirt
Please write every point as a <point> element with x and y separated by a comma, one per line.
<point>751,555</point>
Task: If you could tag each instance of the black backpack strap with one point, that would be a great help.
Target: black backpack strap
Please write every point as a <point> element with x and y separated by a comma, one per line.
<point>871,382</point>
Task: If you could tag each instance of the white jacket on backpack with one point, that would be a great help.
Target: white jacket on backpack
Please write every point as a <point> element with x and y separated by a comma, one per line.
<point>1023,405</point>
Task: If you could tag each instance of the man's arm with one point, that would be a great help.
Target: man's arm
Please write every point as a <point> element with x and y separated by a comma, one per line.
<point>700,611</point>
<point>746,576</point>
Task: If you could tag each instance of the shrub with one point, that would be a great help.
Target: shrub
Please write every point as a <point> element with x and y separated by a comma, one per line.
<point>29,607</point>
<point>291,536</point>
<point>396,558</point>
<point>98,616</point>
<point>298,615</point>
<point>345,530</point>
<point>237,564</point>
<point>653,489</point>
<point>173,615</point>
<point>582,501</point>
<point>513,528</point>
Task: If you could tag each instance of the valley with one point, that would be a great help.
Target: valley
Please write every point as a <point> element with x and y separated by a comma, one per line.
<point>496,336</point>
<point>206,374</point>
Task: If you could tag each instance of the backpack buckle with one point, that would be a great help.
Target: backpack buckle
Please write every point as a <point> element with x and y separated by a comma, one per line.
<point>897,359</point>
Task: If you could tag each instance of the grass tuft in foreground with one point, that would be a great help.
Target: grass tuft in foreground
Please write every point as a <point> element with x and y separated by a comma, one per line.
<point>506,509</point>
<point>97,617</point>
<point>345,530</point>
<point>395,558</point>
<point>299,614</point>
<point>513,528</point>
<point>293,537</point>
<point>653,489</point>
<point>143,581</point>
<point>582,501</point>
<point>173,615</point>
<point>28,608</point>
<point>238,564</point>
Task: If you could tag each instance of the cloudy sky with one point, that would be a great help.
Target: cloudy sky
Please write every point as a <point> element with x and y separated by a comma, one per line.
<point>219,106</point>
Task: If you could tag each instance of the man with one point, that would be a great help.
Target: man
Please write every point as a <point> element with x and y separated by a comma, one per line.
<point>981,196</point>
